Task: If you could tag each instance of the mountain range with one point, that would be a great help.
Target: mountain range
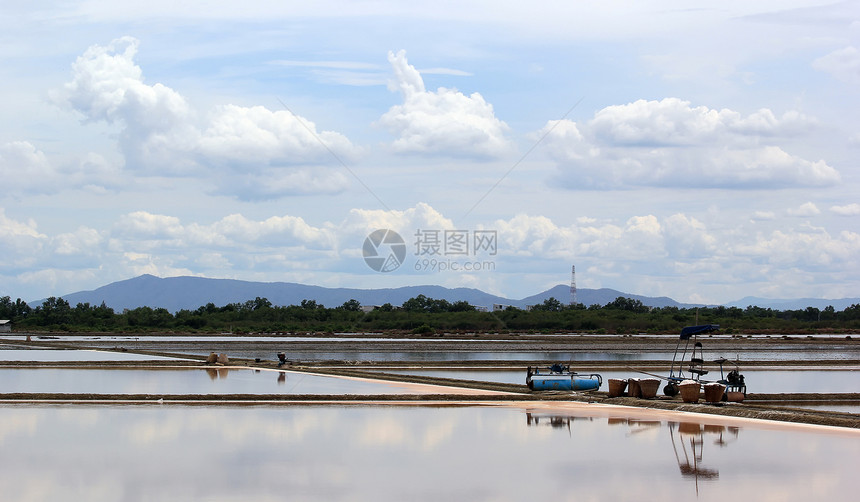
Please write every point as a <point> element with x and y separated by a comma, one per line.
<point>176,293</point>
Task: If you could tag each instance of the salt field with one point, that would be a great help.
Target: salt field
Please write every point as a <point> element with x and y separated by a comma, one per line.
<point>52,355</point>
<point>381,453</point>
<point>216,441</point>
<point>455,350</point>
<point>220,380</point>
<point>502,355</point>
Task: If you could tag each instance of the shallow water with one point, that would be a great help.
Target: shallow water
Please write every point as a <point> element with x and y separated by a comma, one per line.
<point>508,355</point>
<point>329,350</point>
<point>344,337</point>
<point>844,408</point>
<point>167,452</point>
<point>370,337</point>
<point>192,381</point>
<point>45,355</point>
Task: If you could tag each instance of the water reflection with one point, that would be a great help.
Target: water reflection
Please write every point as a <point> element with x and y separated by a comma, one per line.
<point>554,421</point>
<point>217,373</point>
<point>690,461</point>
<point>53,355</point>
<point>382,453</point>
<point>689,440</point>
<point>842,353</point>
<point>195,381</point>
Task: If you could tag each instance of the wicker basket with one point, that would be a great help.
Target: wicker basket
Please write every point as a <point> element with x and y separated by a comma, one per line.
<point>714,392</point>
<point>690,391</point>
<point>617,386</point>
<point>649,387</point>
<point>633,388</point>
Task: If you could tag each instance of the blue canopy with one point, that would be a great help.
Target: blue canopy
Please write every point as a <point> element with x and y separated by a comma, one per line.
<point>689,331</point>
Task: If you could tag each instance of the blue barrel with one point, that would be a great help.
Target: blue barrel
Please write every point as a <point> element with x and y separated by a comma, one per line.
<point>585,383</point>
<point>563,382</point>
<point>552,382</point>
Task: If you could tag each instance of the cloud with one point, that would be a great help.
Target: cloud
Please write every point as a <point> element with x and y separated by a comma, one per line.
<point>277,230</point>
<point>445,71</point>
<point>806,209</point>
<point>445,122</point>
<point>763,216</point>
<point>107,85</point>
<point>807,249</point>
<point>23,168</point>
<point>688,238</point>
<point>339,72</point>
<point>252,152</point>
<point>83,240</point>
<point>639,239</point>
<point>273,183</point>
<point>20,244</point>
<point>843,64</point>
<point>340,65</point>
<point>240,136</point>
<point>652,255</point>
<point>646,253</point>
<point>852,209</point>
<point>673,144</point>
<point>234,246</point>
<point>421,216</point>
<point>26,170</point>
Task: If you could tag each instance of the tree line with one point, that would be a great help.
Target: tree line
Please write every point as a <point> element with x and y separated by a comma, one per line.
<point>420,314</point>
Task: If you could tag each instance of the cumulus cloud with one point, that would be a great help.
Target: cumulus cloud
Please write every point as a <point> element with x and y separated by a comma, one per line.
<point>805,248</point>
<point>444,122</point>
<point>107,85</point>
<point>852,209</point>
<point>763,216</point>
<point>25,169</point>
<point>422,216</point>
<point>671,143</point>
<point>805,209</point>
<point>145,231</point>
<point>256,135</point>
<point>32,256</point>
<point>82,241</point>
<point>277,230</point>
<point>161,134</point>
<point>843,64</point>
<point>640,238</point>
<point>649,253</point>
<point>646,252</point>
<point>272,183</point>
<point>20,243</point>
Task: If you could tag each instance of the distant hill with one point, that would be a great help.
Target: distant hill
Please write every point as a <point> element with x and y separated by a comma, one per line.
<point>798,304</point>
<point>176,293</point>
<point>601,296</point>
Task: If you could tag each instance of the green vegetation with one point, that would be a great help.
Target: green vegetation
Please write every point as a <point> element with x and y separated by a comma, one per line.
<point>423,316</point>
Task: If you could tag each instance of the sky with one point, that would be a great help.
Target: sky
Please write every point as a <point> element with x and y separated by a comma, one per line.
<point>705,152</point>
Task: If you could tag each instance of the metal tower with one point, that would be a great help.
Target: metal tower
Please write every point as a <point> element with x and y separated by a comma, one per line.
<point>573,285</point>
